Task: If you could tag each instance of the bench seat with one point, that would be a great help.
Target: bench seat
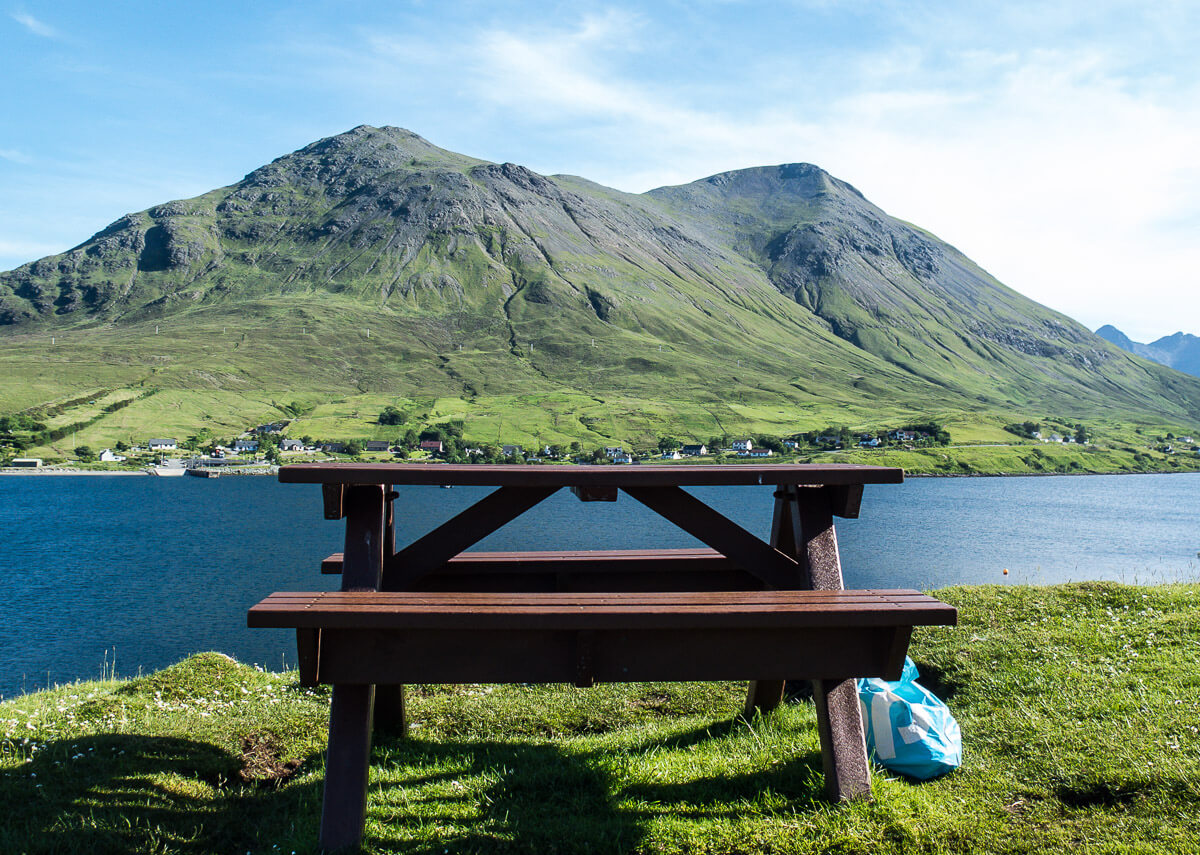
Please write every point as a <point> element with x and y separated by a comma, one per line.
<point>367,637</point>
<point>688,569</point>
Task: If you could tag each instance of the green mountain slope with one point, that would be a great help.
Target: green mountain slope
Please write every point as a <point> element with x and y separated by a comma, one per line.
<point>374,263</point>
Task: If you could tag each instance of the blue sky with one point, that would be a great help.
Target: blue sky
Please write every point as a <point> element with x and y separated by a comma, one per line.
<point>1057,144</point>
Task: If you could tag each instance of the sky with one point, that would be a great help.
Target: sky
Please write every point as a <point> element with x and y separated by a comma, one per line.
<point>1057,144</point>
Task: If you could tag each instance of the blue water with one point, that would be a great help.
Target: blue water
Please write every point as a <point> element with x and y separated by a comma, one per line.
<point>145,571</point>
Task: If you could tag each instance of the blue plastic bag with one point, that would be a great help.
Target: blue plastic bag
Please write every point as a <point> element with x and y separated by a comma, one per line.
<point>909,729</point>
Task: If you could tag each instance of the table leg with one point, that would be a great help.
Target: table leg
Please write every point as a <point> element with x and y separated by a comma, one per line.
<point>390,715</point>
<point>803,527</point>
<point>348,758</point>
<point>347,764</point>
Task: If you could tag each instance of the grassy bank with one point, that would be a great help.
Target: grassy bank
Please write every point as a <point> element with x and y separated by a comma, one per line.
<point>1079,704</point>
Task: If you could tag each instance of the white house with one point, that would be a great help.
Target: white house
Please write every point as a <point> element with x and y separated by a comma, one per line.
<point>510,450</point>
<point>867,441</point>
<point>291,445</point>
<point>742,445</point>
<point>695,450</point>
<point>245,445</point>
<point>109,456</point>
<point>623,457</point>
<point>791,443</point>
<point>162,444</point>
<point>671,455</point>
<point>614,453</point>
<point>755,452</point>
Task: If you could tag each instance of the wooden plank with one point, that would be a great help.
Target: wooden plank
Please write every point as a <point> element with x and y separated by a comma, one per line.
<point>430,552</point>
<point>408,610</point>
<point>545,475</point>
<point>706,525</point>
<point>528,655</point>
<point>573,561</point>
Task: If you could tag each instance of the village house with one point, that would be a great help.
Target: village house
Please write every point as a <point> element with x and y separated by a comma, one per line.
<point>755,452</point>
<point>623,457</point>
<point>240,445</point>
<point>110,456</point>
<point>162,444</point>
<point>868,441</point>
<point>791,443</point>
<point>510,450</point>
<point>433,446</point>
<point>273,427</point>
<point>291,445</point>
<point>614,453</point>
<point>26,463</point>
<point>902,435</point>
<point>671,455</point>
<point>334,447</point>
<point>742,445</point>
<point>377,445</point>
<point>694,450</point>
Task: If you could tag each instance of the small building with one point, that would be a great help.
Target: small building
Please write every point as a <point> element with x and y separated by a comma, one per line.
<point>510,450</point>
<point>273,427</point>
<point>671,455</point>
<point>162,444</point>
<point>902,435</point>
<point>613,453</point>
<point>110,456</point>
<point>694,450</point>
<point>791,443</point>
<point>240,445</point>
<point>26,463</point>
<point>334,447</point>
<point>379,445</point>
<point>623,457</point>
<point>741,445</point>
<point>433,446</point>
<point>868,441</point>
<point>291,445</point>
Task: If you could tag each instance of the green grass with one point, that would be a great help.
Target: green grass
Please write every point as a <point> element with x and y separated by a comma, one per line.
<point>1079,705</point>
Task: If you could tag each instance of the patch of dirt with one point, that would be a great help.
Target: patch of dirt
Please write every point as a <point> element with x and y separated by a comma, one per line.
<point>262,762</point>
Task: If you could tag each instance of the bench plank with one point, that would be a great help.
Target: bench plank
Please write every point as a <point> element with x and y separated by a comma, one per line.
<point>410,637</point>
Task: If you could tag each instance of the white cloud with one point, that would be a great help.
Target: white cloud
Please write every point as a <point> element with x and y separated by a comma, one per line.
<point>35,26</point>
<point>11,154</point>
<point>1072,180</point>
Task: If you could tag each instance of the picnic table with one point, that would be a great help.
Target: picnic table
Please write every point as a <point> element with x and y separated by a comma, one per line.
<point>737,608</point>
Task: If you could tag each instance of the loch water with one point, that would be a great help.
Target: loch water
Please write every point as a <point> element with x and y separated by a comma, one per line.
<point>142,571</point>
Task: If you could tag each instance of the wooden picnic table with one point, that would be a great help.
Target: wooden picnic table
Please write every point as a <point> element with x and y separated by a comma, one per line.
<point>432,612</point>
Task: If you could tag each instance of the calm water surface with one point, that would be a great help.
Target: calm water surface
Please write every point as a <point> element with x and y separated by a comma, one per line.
<point>149,570</point>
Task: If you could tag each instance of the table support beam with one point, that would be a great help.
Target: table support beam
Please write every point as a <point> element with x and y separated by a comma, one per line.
<point>766,562</point>
<point>428,553</point>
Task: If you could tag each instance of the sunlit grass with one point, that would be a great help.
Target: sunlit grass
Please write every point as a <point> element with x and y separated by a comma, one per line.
<point>1079,704</point>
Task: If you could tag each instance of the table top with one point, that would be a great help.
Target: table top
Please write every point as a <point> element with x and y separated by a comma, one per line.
<point>570,475</point>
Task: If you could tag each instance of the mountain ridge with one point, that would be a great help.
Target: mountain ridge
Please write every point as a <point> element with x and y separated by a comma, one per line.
<point>1179,350</point>
<point>775,284</point>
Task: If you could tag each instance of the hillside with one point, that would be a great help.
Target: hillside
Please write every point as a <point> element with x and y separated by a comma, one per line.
<point>373,267</point>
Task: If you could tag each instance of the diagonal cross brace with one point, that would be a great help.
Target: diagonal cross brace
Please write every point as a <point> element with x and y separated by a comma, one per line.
<point>428,553</point>
<point>766,562</point>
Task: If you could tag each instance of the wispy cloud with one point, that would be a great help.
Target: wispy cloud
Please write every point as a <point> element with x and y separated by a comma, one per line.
<point>11,154</point>
<point>38,28</point>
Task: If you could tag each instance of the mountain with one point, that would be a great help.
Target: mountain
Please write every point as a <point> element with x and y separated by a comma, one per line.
<point>1180,351</point>
<point>374,263</point>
